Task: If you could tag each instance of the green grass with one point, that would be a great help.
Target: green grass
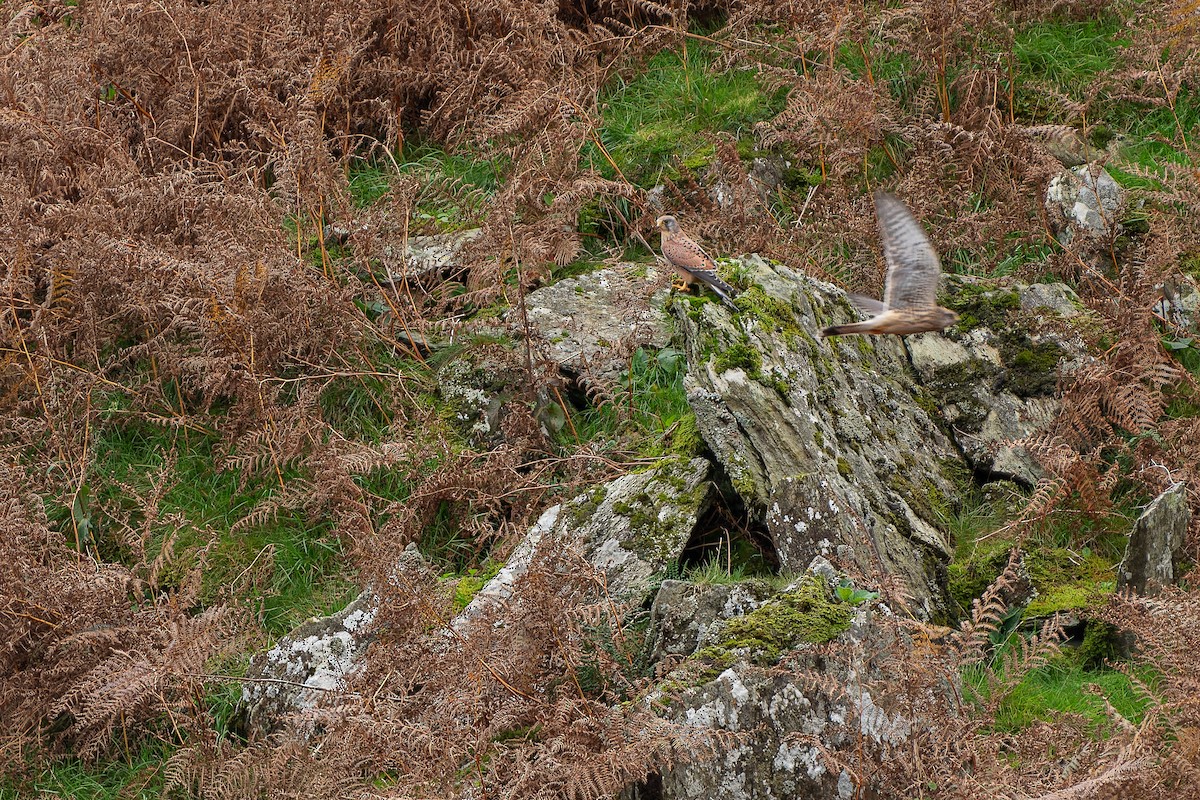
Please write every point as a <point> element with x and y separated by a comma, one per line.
<point>649,412</point>
<point>137,777</point>
<point>1065,56</point>
<point>303,562</point>
<point>1060,686</point>
<point>456,183</point>
<point>662,119</point>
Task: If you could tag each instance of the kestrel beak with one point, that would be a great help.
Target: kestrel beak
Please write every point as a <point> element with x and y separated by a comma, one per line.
<point>658,223</point>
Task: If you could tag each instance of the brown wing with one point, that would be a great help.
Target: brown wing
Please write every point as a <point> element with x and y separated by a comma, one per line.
<point>913,264</point>
<point>682,252</point>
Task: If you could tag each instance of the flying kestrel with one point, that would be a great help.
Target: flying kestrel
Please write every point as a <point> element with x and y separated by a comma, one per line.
<point>910,297</point>
<point>690,261</point>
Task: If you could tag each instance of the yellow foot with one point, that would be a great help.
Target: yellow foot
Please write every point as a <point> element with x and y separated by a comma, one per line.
<point>679,284</point>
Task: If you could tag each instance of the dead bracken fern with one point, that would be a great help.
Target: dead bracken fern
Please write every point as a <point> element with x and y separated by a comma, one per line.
<point>171,175</point>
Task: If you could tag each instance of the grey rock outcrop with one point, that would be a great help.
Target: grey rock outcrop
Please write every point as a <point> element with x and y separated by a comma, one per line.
<point>590,323</point>
<point>1084,201</point>
<point>1156,543</point>
<point>412,257</point>
<point>309,662</point>
<point>994,375</point>
<point>422,255</point>
<point>630,528</point>
<point>825,437</point>
<point>685,615</point>
<point>783,724</point>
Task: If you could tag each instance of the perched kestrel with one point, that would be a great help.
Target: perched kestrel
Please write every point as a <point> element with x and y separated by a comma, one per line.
<point>690,261</point>
<point>910,297</point>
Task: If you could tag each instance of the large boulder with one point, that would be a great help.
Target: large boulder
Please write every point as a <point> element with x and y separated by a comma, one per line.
<point>994,375</point>
<point>591,323</point>
<point>630,529</point>
<point>786,719</point>
<point>827,439</point>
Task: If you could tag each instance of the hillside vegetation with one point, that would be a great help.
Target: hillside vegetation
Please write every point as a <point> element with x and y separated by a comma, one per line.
<point>222,414</point>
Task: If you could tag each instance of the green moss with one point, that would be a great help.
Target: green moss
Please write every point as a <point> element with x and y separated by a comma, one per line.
<point>1032,368</point>
<point>1067,580</point>
<point>843,468</point>
<point>979,306</point>
<point>469,585</point>
<point>686,440</point>
<point>582,510</point>
<point>1071,566</point>
<point>775,315</point>
<point>740,355</point>
<point>805,614</point>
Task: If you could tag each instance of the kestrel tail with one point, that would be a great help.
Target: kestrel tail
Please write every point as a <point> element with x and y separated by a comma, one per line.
<point>910,298</point>
<point>690,260</point>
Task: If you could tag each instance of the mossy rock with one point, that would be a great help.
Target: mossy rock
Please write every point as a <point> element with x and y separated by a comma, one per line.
<point>739,355</point>
<point>806,613</point>
<point>981,306</point>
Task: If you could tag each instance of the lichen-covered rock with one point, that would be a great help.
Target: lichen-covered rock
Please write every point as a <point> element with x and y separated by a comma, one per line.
<point>308,662</point>
<point>419,256</point>
<point>994,375</point>
<point>590,323</point>
<point>783,722</point>
<point>630,528</point>
<point>474,395</point>
<point>1084,200</point>
<point>826,438</point>
<point>1069,146</point>
<point>1156,543</point>
<point>687,616</point>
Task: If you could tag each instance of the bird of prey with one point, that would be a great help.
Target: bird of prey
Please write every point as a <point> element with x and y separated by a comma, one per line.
<point>690,261</point>
<point>910,297</point>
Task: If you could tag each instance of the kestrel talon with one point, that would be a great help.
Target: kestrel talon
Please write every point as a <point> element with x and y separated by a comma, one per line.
<point>690,261</point>
<point>910,295</point>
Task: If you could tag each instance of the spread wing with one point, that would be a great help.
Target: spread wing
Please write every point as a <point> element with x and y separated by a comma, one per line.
<point>867,305</point>
<point>912,261</point>
<point>682,252</point>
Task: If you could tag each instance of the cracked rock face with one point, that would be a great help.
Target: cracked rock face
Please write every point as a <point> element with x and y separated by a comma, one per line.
<point>994,376</point>
<point>589,324</point>
<point>825,437</point>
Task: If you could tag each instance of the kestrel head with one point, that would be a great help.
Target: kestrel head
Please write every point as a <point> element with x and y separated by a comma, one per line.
<point>667,223</point>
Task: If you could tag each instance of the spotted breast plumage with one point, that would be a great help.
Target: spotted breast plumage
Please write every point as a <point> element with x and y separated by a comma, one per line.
<point>910,298</point>
<point>690,261</point>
